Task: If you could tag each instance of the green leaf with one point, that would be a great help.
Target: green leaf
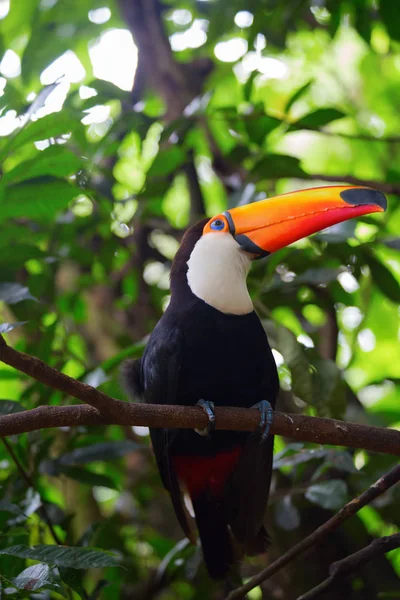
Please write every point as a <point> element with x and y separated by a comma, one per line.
<point>298,94</point>
<point>330,494</point>
<point>297,362</point>
<point>50,126</point>
<point>64,556</point>
<point>15,256</point>
<point>38,200</point>
<point>363,21</point>
<point>166,162</point>
<point>258,128</point>
<point>6,327</point>
<point>390,15</point>
<point>97,452</point>
<point>12,293</point>
<point>8,407</point>
<point>275,166</point>
<point>318,118</point>
<point>328,389</point>
<point>298,458</point>
<point>73,578</point>
<point>88,477</point>
<point>56,160</point>
<point>382,277</point>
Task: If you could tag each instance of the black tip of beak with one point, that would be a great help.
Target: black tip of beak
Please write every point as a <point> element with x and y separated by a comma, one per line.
<point>359,196</point>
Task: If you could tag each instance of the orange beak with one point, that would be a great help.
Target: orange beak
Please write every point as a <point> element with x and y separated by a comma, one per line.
<point>268,225</point>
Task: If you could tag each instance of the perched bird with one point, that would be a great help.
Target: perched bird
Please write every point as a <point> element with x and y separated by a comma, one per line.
<point>209,348</point>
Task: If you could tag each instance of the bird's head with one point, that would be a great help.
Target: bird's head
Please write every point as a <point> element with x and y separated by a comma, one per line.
<point>215,254</point>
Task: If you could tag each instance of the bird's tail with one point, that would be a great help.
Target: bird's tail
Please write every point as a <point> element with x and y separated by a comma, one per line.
<point>215,537</point>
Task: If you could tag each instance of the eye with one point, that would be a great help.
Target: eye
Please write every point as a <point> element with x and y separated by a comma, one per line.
<point>218,224</point>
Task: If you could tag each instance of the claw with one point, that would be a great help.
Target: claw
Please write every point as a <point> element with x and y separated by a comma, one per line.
<point>266,418</point>
<point>208,408</point>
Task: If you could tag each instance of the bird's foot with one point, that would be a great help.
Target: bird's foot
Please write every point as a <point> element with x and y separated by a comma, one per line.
<point>208,408</point>
<point>266,418</point>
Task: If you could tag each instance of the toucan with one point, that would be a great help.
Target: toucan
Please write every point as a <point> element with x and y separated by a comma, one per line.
<point>210,348</point>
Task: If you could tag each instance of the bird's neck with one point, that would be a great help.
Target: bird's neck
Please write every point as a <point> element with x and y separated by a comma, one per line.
<point>217,275</point>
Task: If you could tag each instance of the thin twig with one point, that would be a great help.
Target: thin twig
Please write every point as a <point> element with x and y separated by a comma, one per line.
<point>382,186</point>
<point>299,427</point>
<point>342,569</point>
<point>29,481</point>
<point>350,509</point>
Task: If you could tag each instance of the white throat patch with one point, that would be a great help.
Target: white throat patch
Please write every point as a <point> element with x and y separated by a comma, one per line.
<point>217,271</point>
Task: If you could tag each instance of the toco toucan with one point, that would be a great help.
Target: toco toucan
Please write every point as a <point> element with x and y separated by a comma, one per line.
<point>209,348</point>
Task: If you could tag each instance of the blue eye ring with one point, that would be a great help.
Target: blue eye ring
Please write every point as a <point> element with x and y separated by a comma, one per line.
<point>217,225</point>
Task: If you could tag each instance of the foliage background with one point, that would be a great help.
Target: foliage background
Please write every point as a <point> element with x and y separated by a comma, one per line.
<point>98,183</point>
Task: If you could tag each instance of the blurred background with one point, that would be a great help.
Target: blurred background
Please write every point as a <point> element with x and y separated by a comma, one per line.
<point>123,122</point>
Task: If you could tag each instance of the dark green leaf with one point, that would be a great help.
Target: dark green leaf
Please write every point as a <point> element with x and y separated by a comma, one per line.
<point>73,578</point>
<point>392,243</point>
<point>363,21</point>
<point>38,200</point>
<point>88,477</point>
<point>336,234</point>
<point>331,494</point>
<point>277,165</point>
<point>297,95</point>
<point>64,556</point>
<point>390,15</point>
<point>295,358</point>
<point>298,457</point>
<point>6,327</point>
<point>318,118</point>
<point>382,277</point>
<point>11,293</point>
<point>50,126</point>
<point>166,162</point>
<point>56,160</point>
<point>328,389</point>
<point>8,407</point>
<point>100,451</point>
<point>258,128</point>
<point>317,276</point>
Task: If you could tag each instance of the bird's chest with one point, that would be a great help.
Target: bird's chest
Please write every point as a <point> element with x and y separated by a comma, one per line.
<point>224,360</point>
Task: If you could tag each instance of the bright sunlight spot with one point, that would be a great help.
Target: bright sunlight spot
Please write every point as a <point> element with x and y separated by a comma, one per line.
<point>8,123</point>
<point>348,282</point>
<point>279,360</point>
<point>244,18</point>
<point>366,339</point>
<point>140,431</point>
<point>231,50</point>
<point>351,317</point>
<point>194,37</point>
<point>4,8</point>
<point>10,66</point>
<point>68,66</point>
<point>114,58</point>
<point>181,17</point>
<point>99,15</point>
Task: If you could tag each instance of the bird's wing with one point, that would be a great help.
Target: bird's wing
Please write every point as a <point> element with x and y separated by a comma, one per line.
<point>160,371</point>
<point>246,494</point>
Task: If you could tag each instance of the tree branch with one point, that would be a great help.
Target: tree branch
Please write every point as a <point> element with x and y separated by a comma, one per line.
<point>342,569</point>
<point>350,509</point>
<point>107,410</point>
<point>382,186</point>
